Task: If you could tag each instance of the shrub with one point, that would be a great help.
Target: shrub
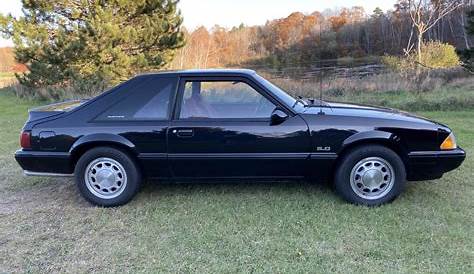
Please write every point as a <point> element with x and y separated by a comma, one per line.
<point>398,64</point>
<point>435,55</point>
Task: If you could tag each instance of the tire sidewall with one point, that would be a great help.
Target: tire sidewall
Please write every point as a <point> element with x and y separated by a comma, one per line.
<point>130,167</point>
<point>343,173</point>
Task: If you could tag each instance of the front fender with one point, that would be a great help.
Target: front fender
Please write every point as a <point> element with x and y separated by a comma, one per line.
<point>102,138</point>
<point>374,136</point>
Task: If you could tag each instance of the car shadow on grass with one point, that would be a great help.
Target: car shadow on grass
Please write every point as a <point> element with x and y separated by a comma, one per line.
<point>242,190</point>
<point>63,191</point>
<point>233,186</point>
<point>65,188</point>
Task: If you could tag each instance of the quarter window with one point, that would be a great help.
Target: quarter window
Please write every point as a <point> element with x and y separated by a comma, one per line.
<point>148,100</point>
<point>223,99</point>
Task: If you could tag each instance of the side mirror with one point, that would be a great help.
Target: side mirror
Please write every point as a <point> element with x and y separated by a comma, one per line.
<point>278,116</point>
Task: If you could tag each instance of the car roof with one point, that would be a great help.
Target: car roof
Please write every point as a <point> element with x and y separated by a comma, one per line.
<point>203,72</point>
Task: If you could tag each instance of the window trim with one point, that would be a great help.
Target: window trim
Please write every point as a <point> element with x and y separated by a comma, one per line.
<point>180,96</point>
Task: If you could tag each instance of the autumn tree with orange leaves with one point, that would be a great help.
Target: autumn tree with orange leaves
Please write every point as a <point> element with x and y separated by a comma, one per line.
<point>305,39</point>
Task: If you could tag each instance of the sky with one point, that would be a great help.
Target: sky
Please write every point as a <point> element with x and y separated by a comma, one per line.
<point>229,13</point>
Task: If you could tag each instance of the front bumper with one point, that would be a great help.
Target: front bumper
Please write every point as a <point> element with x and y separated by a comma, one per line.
<point>41,162</point>
<point>429,165</point>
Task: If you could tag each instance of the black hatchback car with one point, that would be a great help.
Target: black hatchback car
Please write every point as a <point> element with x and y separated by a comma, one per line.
<point>230,124</point>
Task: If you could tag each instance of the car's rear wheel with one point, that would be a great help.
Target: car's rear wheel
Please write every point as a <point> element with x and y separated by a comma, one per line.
<point>370,175</point>
<point>107,176</point>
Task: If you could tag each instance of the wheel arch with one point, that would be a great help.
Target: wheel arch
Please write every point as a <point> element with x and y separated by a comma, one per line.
<point>88,142</point>
<point>382,138</point>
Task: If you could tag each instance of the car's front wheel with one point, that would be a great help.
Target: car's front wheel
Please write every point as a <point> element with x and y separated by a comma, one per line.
<point>370,175</point>
<point>107,177</point>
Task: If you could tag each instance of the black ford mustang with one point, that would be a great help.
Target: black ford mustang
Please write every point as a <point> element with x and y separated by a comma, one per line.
<point>223,124</point>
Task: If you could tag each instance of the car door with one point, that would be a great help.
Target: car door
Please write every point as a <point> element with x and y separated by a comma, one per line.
<point>221,129</point>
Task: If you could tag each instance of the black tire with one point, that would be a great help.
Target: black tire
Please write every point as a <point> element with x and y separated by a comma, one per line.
<point>127,165</point>
<point>361,156</point>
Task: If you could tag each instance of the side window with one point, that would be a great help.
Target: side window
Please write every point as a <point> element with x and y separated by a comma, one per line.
<point>223,99</point>
<point>149,100</point>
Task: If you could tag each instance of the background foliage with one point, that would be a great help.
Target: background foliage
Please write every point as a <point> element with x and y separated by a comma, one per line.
<point>467,55</point>
<point>318,39</point>
<point>62,41</point>
<point>347,45</point>
<point>435,55</point>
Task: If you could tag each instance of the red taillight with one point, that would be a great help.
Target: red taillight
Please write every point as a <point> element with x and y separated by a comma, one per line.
<point>25,139</point>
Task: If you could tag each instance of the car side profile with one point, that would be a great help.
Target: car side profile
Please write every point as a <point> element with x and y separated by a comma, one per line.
<point>230,124</point>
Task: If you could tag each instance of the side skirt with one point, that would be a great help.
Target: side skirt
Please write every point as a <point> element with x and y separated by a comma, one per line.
<point>45,174</point>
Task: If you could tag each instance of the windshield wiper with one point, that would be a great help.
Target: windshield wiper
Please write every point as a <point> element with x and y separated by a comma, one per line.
<point>300,100</point>
<point>310,102</point>
<point>317,103</point>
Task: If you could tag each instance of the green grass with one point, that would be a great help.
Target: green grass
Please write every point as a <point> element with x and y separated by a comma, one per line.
<point>247,227</point>
<point>437,100</point>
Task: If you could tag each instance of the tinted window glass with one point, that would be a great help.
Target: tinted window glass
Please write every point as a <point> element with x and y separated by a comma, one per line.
<point>223,100</point>
<point>282,95</point>
<point>148,100</point>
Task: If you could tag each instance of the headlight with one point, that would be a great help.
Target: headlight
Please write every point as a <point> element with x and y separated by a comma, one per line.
<point>449,142</point>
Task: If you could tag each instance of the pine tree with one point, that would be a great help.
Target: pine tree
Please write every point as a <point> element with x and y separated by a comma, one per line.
<point>63,40</point>
<point>467,55</point>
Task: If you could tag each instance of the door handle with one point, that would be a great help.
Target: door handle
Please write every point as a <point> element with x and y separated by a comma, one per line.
<point>184,132</point>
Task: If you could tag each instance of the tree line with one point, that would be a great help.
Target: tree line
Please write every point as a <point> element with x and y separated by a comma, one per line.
<point>305,39</point>
<point>63,42</point>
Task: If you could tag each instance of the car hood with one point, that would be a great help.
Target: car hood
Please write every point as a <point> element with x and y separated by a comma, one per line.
<point>366,111</point>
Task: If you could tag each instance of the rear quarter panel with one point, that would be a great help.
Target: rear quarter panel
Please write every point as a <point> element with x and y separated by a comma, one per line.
<point>76,129</point>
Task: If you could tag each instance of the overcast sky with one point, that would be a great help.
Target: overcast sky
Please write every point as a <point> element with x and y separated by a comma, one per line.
<point>228,13</point>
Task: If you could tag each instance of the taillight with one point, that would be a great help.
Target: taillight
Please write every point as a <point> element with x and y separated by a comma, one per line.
<point>25,139</point>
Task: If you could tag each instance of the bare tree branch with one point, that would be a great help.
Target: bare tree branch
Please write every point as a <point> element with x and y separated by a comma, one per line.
<point>425,14</point>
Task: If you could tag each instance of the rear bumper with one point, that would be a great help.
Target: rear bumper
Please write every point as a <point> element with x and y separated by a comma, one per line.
<point>43,163</point>
<point>429,165</point>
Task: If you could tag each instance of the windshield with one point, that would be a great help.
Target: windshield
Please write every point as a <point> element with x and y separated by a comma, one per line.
<point>281,94</point>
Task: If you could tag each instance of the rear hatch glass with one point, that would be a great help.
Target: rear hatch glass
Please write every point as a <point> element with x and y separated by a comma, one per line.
<point>62,106</point>
<point>53,109</point>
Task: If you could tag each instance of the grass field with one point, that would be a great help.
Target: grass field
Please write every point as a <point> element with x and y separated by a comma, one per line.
<point>450,92</point>
<point>45,226</point>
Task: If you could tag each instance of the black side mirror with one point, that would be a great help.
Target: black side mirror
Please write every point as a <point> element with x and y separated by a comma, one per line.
<point>278,116</point>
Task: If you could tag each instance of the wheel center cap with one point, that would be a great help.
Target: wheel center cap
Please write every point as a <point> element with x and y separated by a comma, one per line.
<point>106,178</point>
<point>372,178</point>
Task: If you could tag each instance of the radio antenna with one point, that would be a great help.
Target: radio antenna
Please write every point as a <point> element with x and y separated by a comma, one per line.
<point>320,71</point>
